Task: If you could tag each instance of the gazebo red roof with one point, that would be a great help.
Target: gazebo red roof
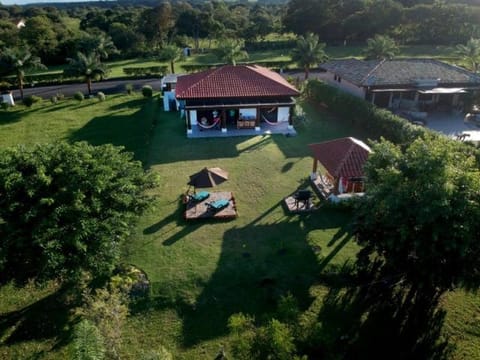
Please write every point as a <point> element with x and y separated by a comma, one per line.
<point>233,82</point>
<point>343,157</point>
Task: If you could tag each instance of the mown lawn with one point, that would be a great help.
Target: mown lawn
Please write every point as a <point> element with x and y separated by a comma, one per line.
<point>200,272</point>
<point>444,53</point>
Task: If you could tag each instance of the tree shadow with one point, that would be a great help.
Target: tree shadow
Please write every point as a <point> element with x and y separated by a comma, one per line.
<point>134,103</point>
<point>375,317</point>
<point>132,131</point>
<point>45,319</point>
<point>259,263</point>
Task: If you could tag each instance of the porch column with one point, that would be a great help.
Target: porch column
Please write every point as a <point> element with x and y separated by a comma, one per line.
<point>390,99</point>
<point>415,100</point>
<point>223,120</point>
<point>257,120</point>
<point>373,98</point>
<point>189,123</point>
<point>290,120</point>
<point>313,175</point>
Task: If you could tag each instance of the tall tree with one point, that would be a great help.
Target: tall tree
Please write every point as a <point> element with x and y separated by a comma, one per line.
<point>87,66</point>
<point>308,52</point>
<point>98,43</point>
<point>380,47</point>
<point>470,53</point>
<point>40,35</point>
<point>66,209</point>
<point>17,61</point>
<point>157,24</point>
<point>171,53</point>
<point>419,219</point>
<point>230,51</point>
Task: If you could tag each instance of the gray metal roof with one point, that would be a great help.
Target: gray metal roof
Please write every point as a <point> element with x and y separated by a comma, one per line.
<point>404,72</point>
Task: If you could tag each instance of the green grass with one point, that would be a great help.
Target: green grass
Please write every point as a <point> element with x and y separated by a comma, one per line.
<point>334,52</point>
<point>200,272</point>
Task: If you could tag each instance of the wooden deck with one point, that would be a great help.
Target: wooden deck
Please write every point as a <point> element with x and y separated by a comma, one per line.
<point>200,210</point>
<point>321,188</point>
<point>295,206</point>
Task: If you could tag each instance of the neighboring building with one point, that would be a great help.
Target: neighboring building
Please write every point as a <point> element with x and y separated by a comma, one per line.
<point>425,84</point>
<point>342,162</point>
<point>239,97</point>
<point>20,23</point>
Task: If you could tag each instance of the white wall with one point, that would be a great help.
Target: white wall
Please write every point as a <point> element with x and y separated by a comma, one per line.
<point>283,114</point>
<point>248,113</point>
<point>167,96</point>
<point>193,117</point>
<point>344,85</point>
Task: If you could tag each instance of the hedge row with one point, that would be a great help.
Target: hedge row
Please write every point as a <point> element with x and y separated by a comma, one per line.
<point>269,45</point>
<point>158,70</point>
<point>278,64</point>
<point>376,121</point>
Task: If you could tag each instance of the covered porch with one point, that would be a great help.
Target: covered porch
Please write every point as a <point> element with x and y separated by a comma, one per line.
<point>264,129</point>
<point>234,117</point>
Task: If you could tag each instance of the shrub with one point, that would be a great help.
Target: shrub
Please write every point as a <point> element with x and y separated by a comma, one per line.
<point>101,96</point>
<point>4,105</point>
<point>28,101</point>
<point>54,100</point>
<point>79,96</point>
<point>146,70</point>
<point>147,91</point>
<point>129,89</point>
<point>377,121</point>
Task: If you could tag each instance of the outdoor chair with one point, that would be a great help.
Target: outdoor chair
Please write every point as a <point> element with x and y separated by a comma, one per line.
<point>217,205</point>
<point>303,196</point>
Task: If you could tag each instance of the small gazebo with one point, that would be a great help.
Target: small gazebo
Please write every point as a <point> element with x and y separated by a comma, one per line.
<point>342,162</point>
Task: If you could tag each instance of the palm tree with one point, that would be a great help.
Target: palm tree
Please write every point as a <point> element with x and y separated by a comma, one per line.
<point>230,51</point>
<point>309,52</point>
<point>17,61</point>
<point>171,53</point>
<point>470,52</point>
<point>380,47</point>
<point>87,66</point>
<point>99,43</point>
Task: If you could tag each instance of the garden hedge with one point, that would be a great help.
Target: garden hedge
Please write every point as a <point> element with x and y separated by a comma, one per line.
<point>376,121</point>
<point>159,70</point>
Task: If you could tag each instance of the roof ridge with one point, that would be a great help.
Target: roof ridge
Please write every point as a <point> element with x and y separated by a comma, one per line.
<point>211,72</point>
<point>375,68</point>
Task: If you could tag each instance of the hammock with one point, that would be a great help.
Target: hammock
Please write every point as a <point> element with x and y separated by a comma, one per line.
<point>269,122</point>
<point>215,123</point>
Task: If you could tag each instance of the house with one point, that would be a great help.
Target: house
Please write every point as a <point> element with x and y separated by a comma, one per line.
<point>342,162</point>
<point>235,97</point>
<point>422,84</point>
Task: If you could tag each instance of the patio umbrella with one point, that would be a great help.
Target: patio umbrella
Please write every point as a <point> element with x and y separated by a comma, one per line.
<point>208,177</point>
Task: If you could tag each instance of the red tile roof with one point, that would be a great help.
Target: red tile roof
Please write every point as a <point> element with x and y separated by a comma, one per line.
<point>233,82</point>
<point>343,157</point>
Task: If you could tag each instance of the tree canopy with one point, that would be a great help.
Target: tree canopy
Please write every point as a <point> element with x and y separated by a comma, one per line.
<point>380,47</point>
<point>420,215</point>
<point>308,52</point>
<point>66,209</point>
<point>87,66</point>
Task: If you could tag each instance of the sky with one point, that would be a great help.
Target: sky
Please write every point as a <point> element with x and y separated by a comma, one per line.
<point>23,2</point>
